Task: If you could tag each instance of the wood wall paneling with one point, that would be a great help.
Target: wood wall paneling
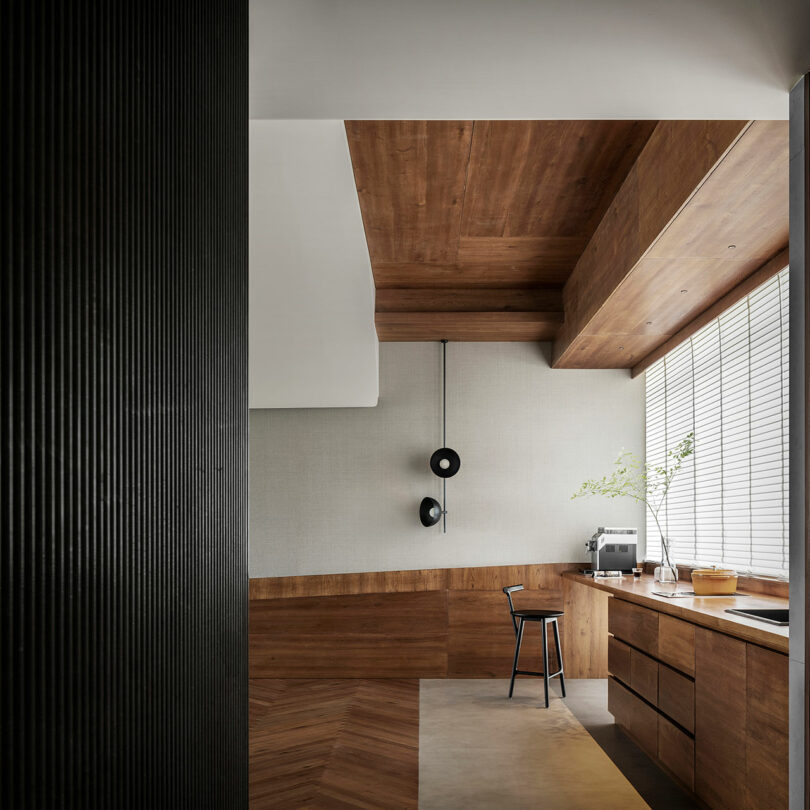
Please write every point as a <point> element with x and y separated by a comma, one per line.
<point>767,723</point>
<point>430,623</point>
<point>720,719</point>
<point>394,635</point>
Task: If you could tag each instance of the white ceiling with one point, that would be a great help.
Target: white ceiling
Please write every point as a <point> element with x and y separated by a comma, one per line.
<point>312,337</point>
<point>482,59</point>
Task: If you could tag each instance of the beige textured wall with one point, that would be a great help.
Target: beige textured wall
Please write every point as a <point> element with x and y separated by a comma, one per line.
<point>337,490</point>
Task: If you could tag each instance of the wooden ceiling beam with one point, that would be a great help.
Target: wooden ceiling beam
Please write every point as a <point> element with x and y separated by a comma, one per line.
<point>470,299</point>
<point>767,271</point>
<point>676,160</point>
<point>468,326</point>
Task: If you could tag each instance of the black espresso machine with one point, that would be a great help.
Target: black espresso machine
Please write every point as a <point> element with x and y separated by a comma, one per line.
<point>613,549</point>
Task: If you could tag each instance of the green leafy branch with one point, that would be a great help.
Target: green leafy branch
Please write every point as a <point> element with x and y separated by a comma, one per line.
<point>644,483</point>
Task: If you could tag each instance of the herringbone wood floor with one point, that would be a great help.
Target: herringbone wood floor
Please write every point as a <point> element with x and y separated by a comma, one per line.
<point>317,743</point>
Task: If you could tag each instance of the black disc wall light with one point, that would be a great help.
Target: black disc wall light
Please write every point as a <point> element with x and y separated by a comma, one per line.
<point>444,463</point>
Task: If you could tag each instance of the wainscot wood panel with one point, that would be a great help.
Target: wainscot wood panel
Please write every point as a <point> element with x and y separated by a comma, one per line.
<point>676,751</point>
<point>766,728</point>
<point>365,635</point>
<point>676,697</point>
<point>431,624</point>
<point>638,719</point>
<point>481,640</point>
<point>585,637</point>
<point>433,579</point>
<point>676,643</point>
<point>720,719</point>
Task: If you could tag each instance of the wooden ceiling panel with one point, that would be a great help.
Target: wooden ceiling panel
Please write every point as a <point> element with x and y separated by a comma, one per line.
<point>410,178</point>
<point>469,224</point>
<point>470,299</point>
<point>468,326</point>
<point>394,275</point>
<point>483,206</point>
<point>743,204</point>
<point>547,178</point>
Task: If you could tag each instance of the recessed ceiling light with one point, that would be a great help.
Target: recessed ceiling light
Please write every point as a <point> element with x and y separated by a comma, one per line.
<point>649,323</point>
<point>731,247</point>
<point>683,291</point>
<point>621,347</point>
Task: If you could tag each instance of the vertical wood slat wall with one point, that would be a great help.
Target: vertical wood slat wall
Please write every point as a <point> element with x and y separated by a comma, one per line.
<point>123,572</point>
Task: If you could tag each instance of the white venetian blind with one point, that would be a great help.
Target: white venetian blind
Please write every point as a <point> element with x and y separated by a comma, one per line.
<point>729,385</point>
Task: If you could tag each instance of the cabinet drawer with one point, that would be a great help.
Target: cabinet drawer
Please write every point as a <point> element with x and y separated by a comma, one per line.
<point>644,676</point>
<point>634,624</point>
<point>676,697</point>
<point>676,751</point>
<point>619,660</point>
<point>634,715</point>
<point>676,643</point>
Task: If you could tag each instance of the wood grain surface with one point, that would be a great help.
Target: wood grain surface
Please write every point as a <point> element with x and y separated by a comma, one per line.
<point>689,225</point>
<point>334,744</point>
<point>434,623</point>
<point>720,719</point>
<point>766,728</point>
<point>463,204</point>
<point>707,612</point>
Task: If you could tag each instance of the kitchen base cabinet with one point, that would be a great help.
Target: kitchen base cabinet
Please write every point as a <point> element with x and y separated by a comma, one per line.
<point>676,751</point>
<point>766,729</point>
<point>638,719</point>
<point>720,719</point>
<point>710,708</point>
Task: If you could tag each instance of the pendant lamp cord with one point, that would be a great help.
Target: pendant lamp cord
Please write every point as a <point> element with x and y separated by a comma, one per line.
<point>444,432</point>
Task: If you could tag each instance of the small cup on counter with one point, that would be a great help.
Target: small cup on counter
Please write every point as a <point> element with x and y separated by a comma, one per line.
<point>637,572</point>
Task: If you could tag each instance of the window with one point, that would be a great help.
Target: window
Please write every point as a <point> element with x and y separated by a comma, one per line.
<point>729,385</point>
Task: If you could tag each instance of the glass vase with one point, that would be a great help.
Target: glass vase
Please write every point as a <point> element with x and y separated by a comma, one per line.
<point>666,574</point>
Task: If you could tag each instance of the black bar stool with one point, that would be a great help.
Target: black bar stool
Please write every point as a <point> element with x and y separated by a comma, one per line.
<point>542,616</point>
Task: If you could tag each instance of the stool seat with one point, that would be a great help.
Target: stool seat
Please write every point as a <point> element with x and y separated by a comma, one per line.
<point>536,615</point>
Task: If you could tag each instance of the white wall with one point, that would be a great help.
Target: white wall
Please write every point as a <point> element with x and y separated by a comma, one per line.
<point>526,58</point>
<point>312,337</point>
<point>338,490</point>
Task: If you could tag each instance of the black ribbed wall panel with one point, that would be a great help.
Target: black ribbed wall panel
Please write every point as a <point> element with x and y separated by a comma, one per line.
<point>123,579</point>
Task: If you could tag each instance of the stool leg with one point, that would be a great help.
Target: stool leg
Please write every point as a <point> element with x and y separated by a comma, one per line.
<point>559,657</point>
<point>518,639</point>
<point>545,660</point>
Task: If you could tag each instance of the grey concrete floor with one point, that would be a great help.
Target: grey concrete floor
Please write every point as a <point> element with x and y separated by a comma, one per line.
<point>587,701</point>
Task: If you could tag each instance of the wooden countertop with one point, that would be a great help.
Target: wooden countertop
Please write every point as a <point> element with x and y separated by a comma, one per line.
<point>706,611</point>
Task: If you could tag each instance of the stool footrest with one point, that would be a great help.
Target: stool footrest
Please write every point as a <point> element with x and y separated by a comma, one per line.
<point>538,674</point>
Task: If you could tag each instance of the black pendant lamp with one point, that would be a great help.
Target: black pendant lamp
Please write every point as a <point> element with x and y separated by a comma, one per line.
<point>444,463</point>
